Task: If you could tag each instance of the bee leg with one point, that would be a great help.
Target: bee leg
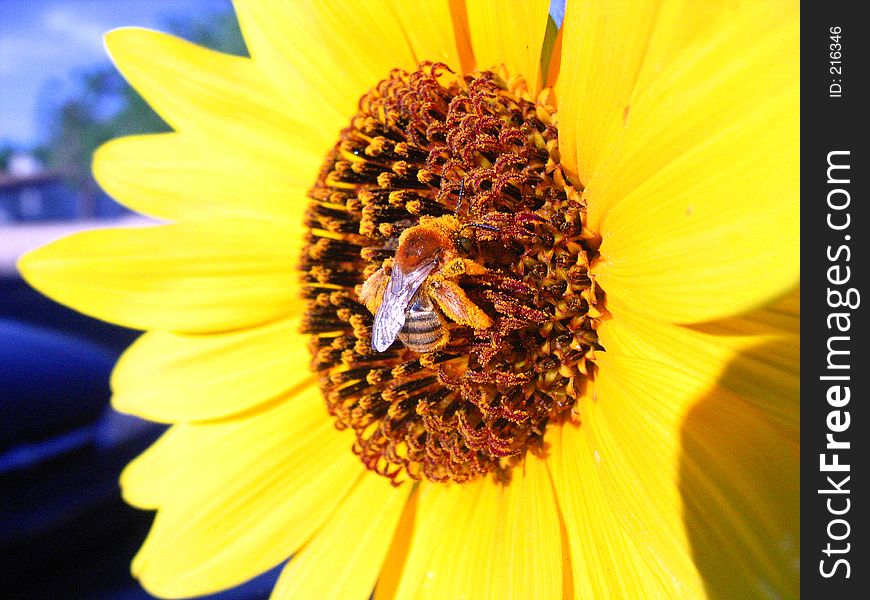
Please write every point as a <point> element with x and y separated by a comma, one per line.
<point>371,293</point>
<point>461,266</point>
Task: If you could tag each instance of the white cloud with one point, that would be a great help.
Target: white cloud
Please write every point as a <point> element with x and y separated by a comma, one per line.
<point>76,29</point>
<point>59,35</point>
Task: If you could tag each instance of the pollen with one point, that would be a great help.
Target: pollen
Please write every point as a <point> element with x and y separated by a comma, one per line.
<point>471,162</point>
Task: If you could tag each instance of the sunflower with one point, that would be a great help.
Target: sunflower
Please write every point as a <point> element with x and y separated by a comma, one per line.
<point>607,222</point>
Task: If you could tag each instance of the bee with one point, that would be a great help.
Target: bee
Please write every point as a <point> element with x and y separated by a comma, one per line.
<point>411,297</point>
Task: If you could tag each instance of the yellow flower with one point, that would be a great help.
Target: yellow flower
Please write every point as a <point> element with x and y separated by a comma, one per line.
<point>675,473</point>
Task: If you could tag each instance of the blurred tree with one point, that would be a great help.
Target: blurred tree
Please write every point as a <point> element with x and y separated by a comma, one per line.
<point>106,107</point>
<point>6,152</point>
<point>219,32</point>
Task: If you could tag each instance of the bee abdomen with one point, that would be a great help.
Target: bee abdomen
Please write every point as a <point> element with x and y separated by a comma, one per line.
<point>423,331</point>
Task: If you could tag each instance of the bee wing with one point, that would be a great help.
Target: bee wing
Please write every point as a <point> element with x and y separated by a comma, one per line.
<point>390,316</point>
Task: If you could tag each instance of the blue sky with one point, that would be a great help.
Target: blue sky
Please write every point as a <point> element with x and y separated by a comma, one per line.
<point>44,42</point>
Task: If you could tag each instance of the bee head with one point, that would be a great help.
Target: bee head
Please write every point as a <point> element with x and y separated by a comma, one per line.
<point>464,244</point>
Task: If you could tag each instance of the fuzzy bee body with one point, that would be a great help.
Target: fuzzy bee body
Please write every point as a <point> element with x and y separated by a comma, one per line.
<point>401,295</point>
<point>424,329</point>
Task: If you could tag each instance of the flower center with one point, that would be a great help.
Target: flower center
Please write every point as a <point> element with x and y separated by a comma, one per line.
<point>450,307</point>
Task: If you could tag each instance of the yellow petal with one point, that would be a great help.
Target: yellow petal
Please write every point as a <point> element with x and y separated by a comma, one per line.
<point>459,17</point>
<point>767,372</point>
<point>193,277</point>
<point>239,496</point>
<point>607,560</point>
<point>486,540</point>
<point>613,51</point>
<point>181,177</point>
<point>697,203</point>
<point>394,563</point>
<point>532,544</point>
<point>343,560</point>
<point>204,377</point>
<point>337,51</point>
<point>741,507</point>
<point>705,484</point>
<point>766,341</point>
<point>551,55</point>
<point>428,28</point>
<point>453,542</point>
<point>227,100</point>
<point>509,33</point>
<point>603,46</point>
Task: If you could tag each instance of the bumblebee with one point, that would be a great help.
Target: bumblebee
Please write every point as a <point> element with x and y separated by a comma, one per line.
<point>411,297</point>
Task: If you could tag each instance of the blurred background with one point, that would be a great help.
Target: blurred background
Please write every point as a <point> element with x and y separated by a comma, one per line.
<point>64,530</point>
